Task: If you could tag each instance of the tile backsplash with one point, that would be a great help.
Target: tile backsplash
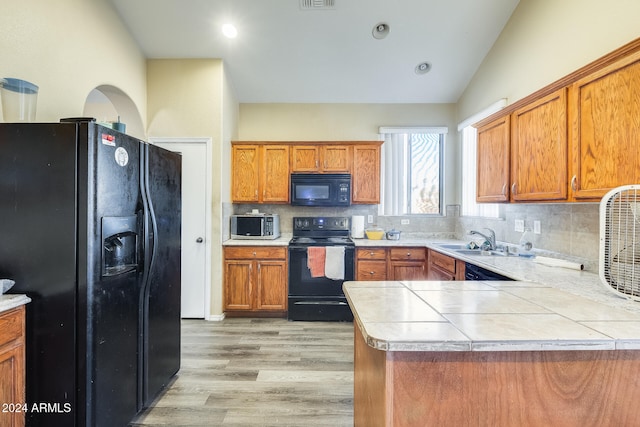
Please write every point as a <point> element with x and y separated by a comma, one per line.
<point>570,230</point>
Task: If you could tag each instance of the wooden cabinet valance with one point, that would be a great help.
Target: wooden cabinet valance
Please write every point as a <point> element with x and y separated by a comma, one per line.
<point>571,141</point>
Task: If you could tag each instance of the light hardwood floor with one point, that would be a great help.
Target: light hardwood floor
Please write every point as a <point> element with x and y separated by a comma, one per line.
<point>259,372</point>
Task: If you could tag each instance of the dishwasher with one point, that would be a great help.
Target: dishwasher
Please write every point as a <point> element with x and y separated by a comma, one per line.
<point>473,272</point>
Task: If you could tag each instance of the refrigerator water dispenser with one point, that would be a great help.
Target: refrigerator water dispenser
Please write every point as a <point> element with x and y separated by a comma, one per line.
<point>119,245</point>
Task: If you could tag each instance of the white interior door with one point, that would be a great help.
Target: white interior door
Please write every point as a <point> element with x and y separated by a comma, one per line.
<point>194,220</point>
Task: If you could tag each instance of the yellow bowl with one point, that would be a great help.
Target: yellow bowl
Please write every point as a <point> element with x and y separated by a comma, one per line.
<point>374,234</point>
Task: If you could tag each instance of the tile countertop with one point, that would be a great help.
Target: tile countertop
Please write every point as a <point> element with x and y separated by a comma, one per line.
<point>486,316</point>
<point>283,240</point>
<point>9,301</point>
<point>580,283</point>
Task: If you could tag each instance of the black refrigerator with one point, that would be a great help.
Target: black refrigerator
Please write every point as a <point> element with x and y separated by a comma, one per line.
<point>90,231</point>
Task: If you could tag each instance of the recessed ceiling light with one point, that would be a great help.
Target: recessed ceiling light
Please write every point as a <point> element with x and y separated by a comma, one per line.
<point>229,31</point>
<point>423,68</point>
<point>380,31</point>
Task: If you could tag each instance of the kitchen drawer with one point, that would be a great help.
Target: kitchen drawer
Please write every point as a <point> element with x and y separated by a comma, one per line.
<point>411,254</point>
<point>371,270</point>
<point>371,253</point>
<point>255,252</point>
<point>445,262</point>
<point>11,325</point>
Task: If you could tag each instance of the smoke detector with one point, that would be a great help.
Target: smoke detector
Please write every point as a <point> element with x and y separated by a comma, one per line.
<point>317,4</point>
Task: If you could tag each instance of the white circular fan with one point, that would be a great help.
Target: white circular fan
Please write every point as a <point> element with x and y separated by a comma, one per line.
<point>619,261</point>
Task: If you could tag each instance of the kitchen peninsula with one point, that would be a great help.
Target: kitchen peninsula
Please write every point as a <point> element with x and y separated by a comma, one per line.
<point>491,354</point>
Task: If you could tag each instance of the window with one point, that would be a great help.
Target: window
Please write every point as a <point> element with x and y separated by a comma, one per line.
<point>468,206</point>
<point>412,170</point>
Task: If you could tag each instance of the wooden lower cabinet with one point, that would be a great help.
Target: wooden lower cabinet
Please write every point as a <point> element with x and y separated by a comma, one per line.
<point>394,263</point>
<point>371,264</point>
<point>407,263</point>
<point>12,367</point>
<point>255,281</point>
<point>444,267</point>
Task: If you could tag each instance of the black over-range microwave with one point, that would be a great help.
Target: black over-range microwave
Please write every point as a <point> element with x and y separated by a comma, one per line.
<point>321,189</point>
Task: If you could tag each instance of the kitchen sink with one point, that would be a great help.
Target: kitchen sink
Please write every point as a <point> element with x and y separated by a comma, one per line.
<point>479,252</point>
<point>470,251</point>
<point>457,246</point>
<point>462,249</point>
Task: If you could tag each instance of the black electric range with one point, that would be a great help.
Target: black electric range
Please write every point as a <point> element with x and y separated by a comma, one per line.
<point>314,295</point>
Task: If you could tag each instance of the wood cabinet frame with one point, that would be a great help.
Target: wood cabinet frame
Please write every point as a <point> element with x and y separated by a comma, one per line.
<point>391,263</point>
<point>255,281</point>
<point>594,164</point>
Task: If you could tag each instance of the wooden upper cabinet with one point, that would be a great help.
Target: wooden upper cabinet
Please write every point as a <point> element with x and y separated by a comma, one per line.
<point>275,174</point>
<point>492,182</point>
<point>365,174</point>
<point>305,158</point>
<point>260,174</point>
<point>245,165</point>
<point>336,158</point>
<point>321,158</point>
<point>605,129</point>
<point>260,171</point>
<point>539,149</point>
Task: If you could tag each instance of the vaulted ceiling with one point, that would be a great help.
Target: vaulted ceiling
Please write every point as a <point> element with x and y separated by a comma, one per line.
<point>286,52</point>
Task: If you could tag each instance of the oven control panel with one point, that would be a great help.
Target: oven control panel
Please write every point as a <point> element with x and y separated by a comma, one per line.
<point>321,223</point>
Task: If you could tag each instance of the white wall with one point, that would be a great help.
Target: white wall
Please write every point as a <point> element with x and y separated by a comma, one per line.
<point>194,98</point>
<point>68,48</point>
<point>544,41</point>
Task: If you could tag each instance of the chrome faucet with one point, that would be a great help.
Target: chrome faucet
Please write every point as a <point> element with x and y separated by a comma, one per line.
<point>491,238</point>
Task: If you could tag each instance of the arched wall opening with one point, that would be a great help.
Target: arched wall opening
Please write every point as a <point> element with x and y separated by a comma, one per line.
<point>107,104</point>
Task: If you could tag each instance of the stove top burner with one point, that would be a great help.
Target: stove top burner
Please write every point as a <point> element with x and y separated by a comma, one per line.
<point>321,231</point>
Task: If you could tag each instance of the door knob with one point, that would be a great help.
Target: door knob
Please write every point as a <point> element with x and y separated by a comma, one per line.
<point>199,240</point>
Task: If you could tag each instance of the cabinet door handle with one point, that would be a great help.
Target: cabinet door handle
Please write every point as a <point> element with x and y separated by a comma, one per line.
<point>371,253</point>
<point>504,189</point>
<point>372,272</point>
<point>254,254</point>
<point>317,163</point>
<point>408,254</point>
<point>574,181</point>
<point>513,188</point>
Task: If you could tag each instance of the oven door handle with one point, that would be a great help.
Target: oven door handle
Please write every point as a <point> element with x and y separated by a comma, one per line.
<point>304,248</point>
<point>320,303</point>
<point>298,248</point>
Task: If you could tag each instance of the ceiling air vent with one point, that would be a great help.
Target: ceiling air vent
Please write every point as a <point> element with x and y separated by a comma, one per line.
<point>317,4</point>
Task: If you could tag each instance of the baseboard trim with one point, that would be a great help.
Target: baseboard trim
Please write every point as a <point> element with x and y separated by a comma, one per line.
<point>216,317</point>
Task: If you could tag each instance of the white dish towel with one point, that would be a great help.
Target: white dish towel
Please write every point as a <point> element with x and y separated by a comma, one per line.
<point>334,263</point>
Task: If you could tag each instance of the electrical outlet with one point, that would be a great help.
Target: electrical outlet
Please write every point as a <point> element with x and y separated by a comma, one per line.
<point>536,227</point>
<point>404,221</point>
<point>370,219</point>
<point>519,225</point>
